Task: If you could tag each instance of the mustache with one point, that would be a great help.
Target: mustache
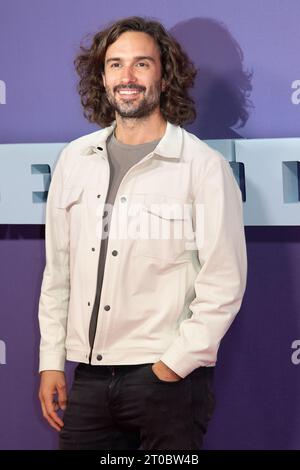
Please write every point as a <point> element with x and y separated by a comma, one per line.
<point>129,87</point>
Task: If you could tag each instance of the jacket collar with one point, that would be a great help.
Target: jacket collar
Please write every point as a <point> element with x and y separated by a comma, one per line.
<point>169,146</point>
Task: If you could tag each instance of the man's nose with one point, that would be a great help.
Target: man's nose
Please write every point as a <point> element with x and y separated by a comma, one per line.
<point>128,75</point>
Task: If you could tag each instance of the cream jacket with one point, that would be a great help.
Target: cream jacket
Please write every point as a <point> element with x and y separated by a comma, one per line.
<point>170,292</point>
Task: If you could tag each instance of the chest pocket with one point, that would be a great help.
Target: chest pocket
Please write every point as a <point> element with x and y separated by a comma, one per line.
<point>69,197</point>
<point>164,225</point>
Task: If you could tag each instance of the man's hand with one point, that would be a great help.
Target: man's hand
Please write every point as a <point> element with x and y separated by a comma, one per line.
<point>53,382</point>
<point>163,372</point>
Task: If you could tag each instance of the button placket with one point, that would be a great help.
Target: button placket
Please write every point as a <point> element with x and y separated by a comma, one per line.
<point>109,272</point>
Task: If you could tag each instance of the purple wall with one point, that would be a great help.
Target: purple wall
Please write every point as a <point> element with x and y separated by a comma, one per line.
<point>257,385</point>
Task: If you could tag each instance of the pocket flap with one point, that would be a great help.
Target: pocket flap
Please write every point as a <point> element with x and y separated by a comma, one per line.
<point>69,196</point>
<point>167,208</point>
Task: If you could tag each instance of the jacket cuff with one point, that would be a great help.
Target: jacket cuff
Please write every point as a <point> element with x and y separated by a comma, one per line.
<point>49,361</point>
<point>180,363</point>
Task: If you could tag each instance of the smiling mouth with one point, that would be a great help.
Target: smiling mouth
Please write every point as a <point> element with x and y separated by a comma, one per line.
<point>129,93</point>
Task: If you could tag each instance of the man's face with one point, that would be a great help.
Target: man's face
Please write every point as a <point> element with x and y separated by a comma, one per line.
<point>132,75</point>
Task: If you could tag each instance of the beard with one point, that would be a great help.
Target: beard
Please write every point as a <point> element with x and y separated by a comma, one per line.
<point>141,107</point>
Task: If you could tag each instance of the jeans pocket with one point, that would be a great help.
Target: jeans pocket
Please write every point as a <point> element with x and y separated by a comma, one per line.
<point>157,379</point>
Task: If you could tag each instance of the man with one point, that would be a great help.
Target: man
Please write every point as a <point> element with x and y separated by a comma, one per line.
<point>143,313</point>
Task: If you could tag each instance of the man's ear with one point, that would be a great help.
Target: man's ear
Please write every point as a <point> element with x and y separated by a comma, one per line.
<point>103,79</point>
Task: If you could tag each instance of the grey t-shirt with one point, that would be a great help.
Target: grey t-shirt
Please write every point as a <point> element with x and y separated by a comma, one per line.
<point>121,157</point>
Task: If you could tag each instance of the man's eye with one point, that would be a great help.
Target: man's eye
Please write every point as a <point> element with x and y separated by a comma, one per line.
<point>142,63</point>
<point>115,63</point>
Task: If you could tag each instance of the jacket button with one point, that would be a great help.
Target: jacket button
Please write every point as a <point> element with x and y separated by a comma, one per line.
<point>123,199</point>
<point>99,148</point>
<point>99,357</point>
<point>107,307</point>
<point>114,253</point>
<point>98,195</point>
<point>89,303</point>
<point>93,249</point>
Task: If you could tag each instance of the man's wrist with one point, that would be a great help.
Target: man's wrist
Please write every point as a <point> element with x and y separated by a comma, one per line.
<point>161,366</point>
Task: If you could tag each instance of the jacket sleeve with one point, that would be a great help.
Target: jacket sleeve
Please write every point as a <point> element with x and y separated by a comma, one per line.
<point>55,288</point>
<point>221,280</point>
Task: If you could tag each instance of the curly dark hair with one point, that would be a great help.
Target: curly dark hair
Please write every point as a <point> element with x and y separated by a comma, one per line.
<point>177,69</point>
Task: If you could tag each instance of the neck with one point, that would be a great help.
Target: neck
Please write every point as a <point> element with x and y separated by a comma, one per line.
<point>136,131</point>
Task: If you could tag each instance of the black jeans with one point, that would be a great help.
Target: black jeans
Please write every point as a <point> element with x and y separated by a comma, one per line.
<point>128,407</point>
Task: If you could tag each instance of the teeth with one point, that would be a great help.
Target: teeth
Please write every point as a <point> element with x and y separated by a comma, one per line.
<point>128,92</point>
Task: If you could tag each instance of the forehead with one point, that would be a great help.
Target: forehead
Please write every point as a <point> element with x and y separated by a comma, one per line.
<point>133,43</point>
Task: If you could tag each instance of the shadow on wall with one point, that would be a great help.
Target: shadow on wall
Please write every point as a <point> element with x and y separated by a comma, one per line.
<point>222,86</point>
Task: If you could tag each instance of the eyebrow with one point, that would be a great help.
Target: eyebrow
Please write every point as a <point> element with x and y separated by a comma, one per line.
<point>139,57</point>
